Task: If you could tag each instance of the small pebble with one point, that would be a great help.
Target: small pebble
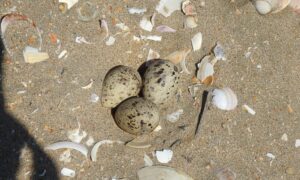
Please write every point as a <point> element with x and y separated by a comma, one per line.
<point>284,137</point>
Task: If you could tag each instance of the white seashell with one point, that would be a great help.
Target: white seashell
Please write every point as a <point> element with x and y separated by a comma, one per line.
<point>80,40</point>
<point>188,8</point>
<point>268,6</point>
<point>271,156</point>
<point>32,55</point>
<point>137,10</point>
<point>164,28</point>
<point>70,3</point>
<point>152,55</point>
<point>70,145</point>
<point>62,54</point>
<point>190,22</point>
<point>197,41</point>
<point>151,37</point>
<point>110,41</point>
<point>205,70</point>
<point>297,143</point>
<point>173,117</point>
<point>224,99</point>
<point>67,172</point>
<point>164,156</point>
<point>249,109</point>
<point>167,7</point>
<point>161,172</point>
<point>146,24</point>
<point>284,137</point>
<point>147,160</point>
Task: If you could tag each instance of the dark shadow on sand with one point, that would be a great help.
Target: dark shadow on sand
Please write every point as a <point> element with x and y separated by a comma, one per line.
<point>13,138</point>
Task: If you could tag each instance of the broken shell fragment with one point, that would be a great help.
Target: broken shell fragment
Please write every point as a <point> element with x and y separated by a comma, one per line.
<point>165,29</point>
<point>224,99</point>
<point>161,172</point>
<point>67,172</point>
<point>69,3</point>
<point>205,71</point>
<point>32,55</point>
<point>178,56</point>
<point>167,7</point>
<point>197,41</point>
<point>188,8</point>
<point>295,4</point>
<point>219,52</point>
<point>146,24</point>
<point>190,22</point>
<point>270,6</point>
<point>164,156</point>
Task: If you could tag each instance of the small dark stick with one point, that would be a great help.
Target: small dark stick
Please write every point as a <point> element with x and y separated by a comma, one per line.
<point>203,107</point>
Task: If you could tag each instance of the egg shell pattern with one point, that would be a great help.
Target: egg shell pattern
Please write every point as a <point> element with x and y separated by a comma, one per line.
<point>160,81</point>
<point>137,116</point>
<point>120,83</point>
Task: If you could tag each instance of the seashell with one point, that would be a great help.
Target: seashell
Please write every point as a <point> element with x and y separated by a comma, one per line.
<point>205,71</point>
<point>69,3</point>
<point>32,55</point>
<point>160,81</point>
<point>151,37</point>
<point>110,41</point>
<point>161,172</point>
<point>188,8</point>
<point>224,99</point>
<point>134,10</point>
<point>152,55</point>
<point>173,117</point>
<point>197,41</point>
<point>270,6</point>
<point>137,116</point>
<point>120,83</point>
<point>295,4</point>
<point>164,28</point>
<point>67,172</point>
<point>164,156</point>
<point>179,57</point>
<point>167,7</point>
<point>146,24</point>
<point>249,109</point>
<point>190,22</point>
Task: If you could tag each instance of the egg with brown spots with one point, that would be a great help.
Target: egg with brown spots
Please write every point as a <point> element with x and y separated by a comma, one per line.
<point>120,83</point>
<point>160,81</point>
<point>137,116</point>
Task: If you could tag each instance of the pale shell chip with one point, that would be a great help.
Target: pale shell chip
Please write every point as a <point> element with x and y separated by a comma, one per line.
<point>197,41</point>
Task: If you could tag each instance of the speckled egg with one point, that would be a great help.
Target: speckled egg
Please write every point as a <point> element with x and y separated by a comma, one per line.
<point>137,116</point>
<point>120,83</point>
<point>160,81</point>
